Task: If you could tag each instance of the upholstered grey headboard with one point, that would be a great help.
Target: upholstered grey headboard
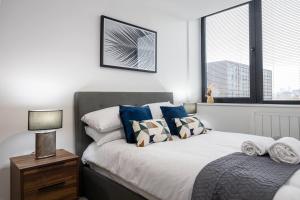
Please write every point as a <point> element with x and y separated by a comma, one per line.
<point>86,102</point>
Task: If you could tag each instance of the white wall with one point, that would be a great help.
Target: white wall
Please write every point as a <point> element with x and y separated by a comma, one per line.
<point>194,60</point>
<point>239,118</point>
<point>50,49</point>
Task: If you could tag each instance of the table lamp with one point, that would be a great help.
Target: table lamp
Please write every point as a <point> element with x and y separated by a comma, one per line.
<point>190,108</point>
<point>45,122</point>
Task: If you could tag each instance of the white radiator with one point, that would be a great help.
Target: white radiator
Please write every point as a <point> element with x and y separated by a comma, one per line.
<point>276,124</point>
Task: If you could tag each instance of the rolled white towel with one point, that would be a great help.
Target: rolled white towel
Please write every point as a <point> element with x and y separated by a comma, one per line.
<point>257,146</point>
<point>285,150</point>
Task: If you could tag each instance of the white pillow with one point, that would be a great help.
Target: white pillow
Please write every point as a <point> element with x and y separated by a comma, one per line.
<point>102,138</point>
<point>104,120</point>
<point>155,109</point>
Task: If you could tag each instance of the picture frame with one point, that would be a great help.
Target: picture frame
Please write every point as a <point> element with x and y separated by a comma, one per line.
<point>127,46</point>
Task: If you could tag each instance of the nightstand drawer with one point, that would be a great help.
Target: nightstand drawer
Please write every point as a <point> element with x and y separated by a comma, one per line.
<point>53,178</point>
<point>42,177</point>
<point>60,191</point>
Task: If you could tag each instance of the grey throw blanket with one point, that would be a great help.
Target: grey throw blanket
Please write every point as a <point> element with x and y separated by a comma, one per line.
<point>241,177</point>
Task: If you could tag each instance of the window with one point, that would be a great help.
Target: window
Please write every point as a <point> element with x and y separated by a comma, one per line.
<point>251,53</point>
<point>227,53</point>
<point>281,48</point>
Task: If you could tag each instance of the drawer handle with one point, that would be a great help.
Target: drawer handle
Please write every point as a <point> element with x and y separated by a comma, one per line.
<point>54,166</point>
<point>52,187</point>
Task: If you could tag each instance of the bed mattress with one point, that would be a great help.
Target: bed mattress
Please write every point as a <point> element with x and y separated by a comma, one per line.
<point>168,170</point>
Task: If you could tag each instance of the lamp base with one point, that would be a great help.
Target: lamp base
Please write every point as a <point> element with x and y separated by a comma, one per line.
<point>45,145</point>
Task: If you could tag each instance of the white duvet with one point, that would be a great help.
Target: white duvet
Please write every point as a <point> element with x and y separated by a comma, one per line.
<point>168,170</point>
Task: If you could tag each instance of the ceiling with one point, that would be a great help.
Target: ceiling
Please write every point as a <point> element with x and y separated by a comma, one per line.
<point>191,9</point>
<point>194,9</point>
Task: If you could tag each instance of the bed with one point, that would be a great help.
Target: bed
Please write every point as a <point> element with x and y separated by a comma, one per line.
<point>94,185</point>
<point>118,170</point>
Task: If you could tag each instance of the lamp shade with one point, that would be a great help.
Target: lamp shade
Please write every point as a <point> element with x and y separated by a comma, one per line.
<point>190,108</point>
<point>44,119</point>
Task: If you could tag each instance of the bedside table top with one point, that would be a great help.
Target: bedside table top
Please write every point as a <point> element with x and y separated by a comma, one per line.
<point>29,161</point>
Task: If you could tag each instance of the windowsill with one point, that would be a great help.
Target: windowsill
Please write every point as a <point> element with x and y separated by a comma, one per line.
<point>250,105</point>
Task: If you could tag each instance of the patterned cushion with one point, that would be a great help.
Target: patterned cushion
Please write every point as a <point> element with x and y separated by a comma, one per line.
<point>188,126</point>
<point>151,131</point>
<point>169,113</point>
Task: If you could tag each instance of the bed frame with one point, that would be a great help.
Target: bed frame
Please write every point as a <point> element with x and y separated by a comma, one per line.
<point>93,185</point>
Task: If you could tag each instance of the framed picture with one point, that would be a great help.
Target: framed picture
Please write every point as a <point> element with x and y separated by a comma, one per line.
<point>126,46</point>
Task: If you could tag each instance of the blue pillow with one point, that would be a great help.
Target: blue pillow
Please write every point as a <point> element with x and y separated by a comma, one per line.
<point>170,113</point>
<point>128,113</point>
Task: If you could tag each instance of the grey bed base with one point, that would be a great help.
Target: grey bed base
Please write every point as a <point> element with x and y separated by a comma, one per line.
<point>98,187</point>
<point>93,185</point>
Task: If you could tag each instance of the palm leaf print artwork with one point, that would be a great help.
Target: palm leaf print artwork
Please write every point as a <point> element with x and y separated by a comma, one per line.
<point>127,46</point>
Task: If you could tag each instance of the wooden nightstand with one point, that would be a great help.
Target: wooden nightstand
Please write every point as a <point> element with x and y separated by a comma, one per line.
<point>45,179</point>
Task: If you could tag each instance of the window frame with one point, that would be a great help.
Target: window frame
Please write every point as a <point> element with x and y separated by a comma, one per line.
<point>255,59</point>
